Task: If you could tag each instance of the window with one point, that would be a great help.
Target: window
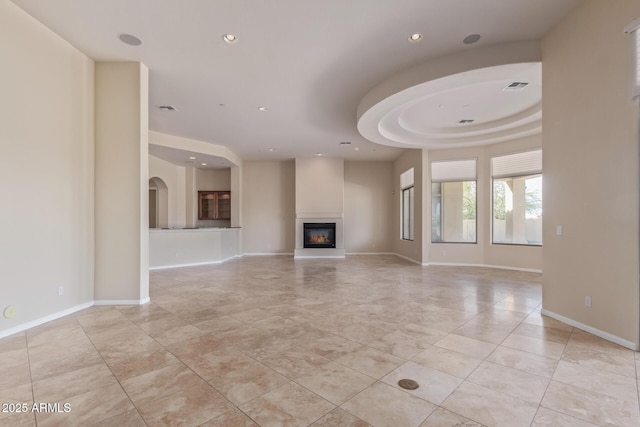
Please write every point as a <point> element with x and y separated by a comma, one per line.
<point>406,185</point>
<point>634,29</point>
<point>517,198</point>
<point>453,201</point>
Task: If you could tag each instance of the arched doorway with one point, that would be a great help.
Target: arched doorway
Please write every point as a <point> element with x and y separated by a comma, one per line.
<point>158,203</point>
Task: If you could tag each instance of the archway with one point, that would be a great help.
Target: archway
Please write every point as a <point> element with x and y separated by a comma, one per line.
<point>158,203</point>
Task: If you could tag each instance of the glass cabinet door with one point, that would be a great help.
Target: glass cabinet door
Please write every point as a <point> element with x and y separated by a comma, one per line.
<point>214,205</point>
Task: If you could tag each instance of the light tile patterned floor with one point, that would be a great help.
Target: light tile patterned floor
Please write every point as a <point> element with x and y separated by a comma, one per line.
<point>275,342</point>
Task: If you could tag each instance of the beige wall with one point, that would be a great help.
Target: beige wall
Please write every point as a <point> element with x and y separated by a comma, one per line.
<point>122,182</point>
<point>320,186</point>
<point>213,179</point>
<point>590,153</point>
<point>410,249</point>
<point>46,171</point>
<point>268,199</point>
<point>368,207</point>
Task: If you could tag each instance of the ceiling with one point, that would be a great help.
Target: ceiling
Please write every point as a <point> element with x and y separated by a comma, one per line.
<point>311,63</point>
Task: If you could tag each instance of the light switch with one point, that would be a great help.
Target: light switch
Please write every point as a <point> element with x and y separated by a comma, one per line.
<point>558,230</point>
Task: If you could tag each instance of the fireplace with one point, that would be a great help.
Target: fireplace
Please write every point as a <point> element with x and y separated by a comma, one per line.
<point>319,234</point>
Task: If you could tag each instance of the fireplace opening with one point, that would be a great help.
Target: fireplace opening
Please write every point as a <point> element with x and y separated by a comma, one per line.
<point>319,234</point>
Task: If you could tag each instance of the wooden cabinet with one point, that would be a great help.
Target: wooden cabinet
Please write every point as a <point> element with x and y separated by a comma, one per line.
<point>214,205</point>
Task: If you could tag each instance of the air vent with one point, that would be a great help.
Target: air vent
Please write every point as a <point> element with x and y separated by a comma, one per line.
<point>167,108</point>
<point>465,121</point>
<point>516,86</point>
<point>345,143</point>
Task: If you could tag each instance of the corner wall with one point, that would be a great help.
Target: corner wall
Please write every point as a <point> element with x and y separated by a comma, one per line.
<point>590,152</point>
<point>268,200</point>
<point>46,172</point>
<point>122,183</point>
<point>368,207</point>
<point>413,250</point>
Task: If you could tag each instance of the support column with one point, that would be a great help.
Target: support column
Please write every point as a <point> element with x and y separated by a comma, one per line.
<point>191,196</point>
<point>122,183</point>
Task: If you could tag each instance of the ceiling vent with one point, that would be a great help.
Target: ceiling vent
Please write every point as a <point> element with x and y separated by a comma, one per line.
<point>345,143</point>
<point>465,121</point>
<point>167,108</point>
<point>516,86</point>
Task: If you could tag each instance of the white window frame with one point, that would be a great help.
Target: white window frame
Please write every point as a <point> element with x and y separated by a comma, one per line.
<point>634,29</point>
<point>407,189</point>
<point>514,165</point>
<point>448,171</point>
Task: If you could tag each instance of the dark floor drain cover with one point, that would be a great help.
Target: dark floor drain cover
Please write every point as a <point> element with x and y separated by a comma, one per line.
<point>408,384</point>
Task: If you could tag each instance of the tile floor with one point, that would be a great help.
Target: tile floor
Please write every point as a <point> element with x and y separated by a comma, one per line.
<point>275,342</point>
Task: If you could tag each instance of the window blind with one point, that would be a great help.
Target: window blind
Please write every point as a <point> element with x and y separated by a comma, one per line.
<point>518,164</point>
<point>634,29</point>
<point>453,170</point>
<point>406,179</point>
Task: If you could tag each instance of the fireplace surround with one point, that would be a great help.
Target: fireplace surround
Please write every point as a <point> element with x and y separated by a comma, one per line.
<point>319,235</point>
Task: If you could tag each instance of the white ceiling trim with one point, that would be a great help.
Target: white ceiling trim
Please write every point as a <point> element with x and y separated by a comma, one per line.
<point>383,117</point>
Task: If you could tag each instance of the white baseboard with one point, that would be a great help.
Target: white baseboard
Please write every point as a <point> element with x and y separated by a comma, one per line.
<point>268,254</point>
<point>193,264</point>
<point>318,257</point>
<point>426,264</point>
<point>122,301</point>
<point>369,253</point>
<point>504,267</point>
<point>68,311</point>
<point>45,319</point>
<point>410,260</point>
<point>500,267</point>
<point>597,332</point>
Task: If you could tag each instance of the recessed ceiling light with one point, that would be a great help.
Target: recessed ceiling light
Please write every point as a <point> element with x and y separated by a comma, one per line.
<point>318,154</point>
<point>263,108</point>
<point>272,149</point>
<point>130,39</point>
<point>203,164</point>
<point>229,38</point>
<point>356,149</point>
<point>415,37</point>
<point>192,158</point>
<point>471,39</point>
<point>167,108</point>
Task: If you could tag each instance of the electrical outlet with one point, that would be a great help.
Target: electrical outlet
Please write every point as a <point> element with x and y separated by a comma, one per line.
<point>60,291</point>
<point>587,301</point>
